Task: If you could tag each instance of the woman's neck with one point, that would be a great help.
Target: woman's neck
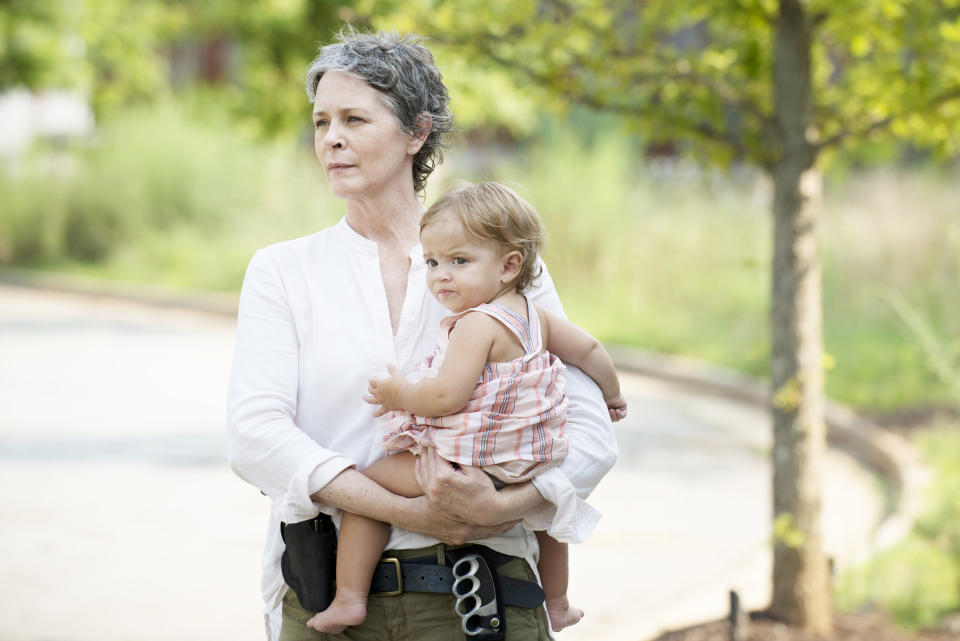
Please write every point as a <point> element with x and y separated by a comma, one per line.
<point>389,219</point>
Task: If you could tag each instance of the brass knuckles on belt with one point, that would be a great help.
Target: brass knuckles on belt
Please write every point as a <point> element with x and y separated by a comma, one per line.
<point>466,588</point>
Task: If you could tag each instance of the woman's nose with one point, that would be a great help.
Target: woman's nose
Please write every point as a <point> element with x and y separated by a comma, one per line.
<point>333,137</point>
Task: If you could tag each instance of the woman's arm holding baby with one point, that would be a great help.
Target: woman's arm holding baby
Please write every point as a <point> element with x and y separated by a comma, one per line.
<point>470,342</point>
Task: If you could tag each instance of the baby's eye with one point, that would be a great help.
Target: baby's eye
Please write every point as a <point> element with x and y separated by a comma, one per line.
<point>431,262</point>
<point>459,260</point>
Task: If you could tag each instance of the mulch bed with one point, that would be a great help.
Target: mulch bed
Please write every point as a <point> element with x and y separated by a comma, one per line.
<point>874,626</point>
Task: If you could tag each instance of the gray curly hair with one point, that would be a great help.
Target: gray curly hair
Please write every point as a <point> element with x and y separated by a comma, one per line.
<point>404,71</point>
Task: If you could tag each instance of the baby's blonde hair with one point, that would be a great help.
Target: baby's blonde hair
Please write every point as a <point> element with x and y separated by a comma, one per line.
<point>494,212</point>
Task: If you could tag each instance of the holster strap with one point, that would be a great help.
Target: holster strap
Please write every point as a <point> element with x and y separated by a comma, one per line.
<point>419,575</point>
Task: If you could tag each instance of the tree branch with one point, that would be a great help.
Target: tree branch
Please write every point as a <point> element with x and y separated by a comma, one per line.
<point>883,123</point>
<point>723,86</point>
<point>701,129</point>
<point>485,42</point>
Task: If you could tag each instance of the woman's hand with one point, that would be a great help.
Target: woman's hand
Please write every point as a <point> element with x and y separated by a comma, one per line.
<point>425,517</point>
<point>468,494</point>
<point>385,392</point>
<point>463,492</point>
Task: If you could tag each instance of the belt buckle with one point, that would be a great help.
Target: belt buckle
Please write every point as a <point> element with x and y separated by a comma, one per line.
<point>396,565</point>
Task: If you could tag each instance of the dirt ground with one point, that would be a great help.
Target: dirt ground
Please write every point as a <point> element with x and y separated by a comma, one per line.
<point>874,626</point>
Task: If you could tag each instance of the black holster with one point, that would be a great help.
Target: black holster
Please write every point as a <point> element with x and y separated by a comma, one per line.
<point>309,562</point>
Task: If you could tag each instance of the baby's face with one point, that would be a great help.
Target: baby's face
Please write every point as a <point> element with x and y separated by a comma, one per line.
<point>463,271</point>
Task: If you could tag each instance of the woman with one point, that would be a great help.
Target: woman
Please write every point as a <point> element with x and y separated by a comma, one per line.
<point>319,315</point>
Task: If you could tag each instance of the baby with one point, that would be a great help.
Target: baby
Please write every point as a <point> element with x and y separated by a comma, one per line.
<point>491,396</point>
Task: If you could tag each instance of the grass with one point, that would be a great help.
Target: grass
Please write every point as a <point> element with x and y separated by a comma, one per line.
<point>918,579</point>
<point>890,237</point>
<point>664,261</point>
<point>160,198</point>
<point>651,254</point>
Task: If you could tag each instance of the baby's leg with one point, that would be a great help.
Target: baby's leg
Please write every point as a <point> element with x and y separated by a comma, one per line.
<point>554,575</point>
<point>359,547</point>
<point>396,473</point>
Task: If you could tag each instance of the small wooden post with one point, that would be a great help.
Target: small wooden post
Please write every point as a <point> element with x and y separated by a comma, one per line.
<point>737,618</point>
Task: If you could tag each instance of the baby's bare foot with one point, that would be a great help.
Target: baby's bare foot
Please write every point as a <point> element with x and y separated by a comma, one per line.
<point>338,616</point>
<point>561,613</point>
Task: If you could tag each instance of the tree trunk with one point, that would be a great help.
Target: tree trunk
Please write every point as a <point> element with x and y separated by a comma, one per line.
<point>801,585</point>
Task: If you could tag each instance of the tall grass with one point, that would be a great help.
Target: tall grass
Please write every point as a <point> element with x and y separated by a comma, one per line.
<point>892,237</point>
<point>668,258</point>
<point>160,198</point>
<point>659,255</point>
<point>918,579</point>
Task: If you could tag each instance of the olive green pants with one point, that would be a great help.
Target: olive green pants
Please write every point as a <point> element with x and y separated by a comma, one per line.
<point>417,616</point>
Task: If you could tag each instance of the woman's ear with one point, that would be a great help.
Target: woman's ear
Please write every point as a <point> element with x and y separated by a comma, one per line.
<point>423,125</point>
<point>512,263</point>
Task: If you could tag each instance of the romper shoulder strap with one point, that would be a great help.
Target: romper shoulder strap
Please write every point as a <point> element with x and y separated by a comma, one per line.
<point>527,333</point>
<point>536,338</point>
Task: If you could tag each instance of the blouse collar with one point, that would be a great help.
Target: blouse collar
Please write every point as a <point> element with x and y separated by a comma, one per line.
<point>359,243</point>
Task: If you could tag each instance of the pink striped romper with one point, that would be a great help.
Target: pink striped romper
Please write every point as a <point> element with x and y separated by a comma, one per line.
<point>512,426</point>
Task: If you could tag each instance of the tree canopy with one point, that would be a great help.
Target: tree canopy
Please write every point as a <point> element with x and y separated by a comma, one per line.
<point>697,68</point>
<point>701,71</point>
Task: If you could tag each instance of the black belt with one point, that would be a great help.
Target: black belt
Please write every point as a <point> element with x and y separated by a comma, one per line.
<point>394,576</point>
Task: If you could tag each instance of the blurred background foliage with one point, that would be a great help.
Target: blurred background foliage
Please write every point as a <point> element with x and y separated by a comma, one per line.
<point>202,154</point>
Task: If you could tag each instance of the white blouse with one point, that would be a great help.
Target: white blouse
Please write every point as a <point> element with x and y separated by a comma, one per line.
<point>313,327</point>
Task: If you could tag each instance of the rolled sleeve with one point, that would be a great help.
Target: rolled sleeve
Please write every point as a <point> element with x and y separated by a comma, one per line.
<point>265,447</point>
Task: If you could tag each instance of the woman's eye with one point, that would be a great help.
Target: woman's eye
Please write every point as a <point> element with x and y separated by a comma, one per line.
<point>354,119</point>
<point>319,123</point>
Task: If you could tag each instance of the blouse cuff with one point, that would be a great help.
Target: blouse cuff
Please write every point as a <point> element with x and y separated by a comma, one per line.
<point>567,517</point>
<point>296,504</point>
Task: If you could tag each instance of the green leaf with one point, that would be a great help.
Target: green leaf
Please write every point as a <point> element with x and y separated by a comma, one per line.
<point>860,45</point>
<point>950,31</point>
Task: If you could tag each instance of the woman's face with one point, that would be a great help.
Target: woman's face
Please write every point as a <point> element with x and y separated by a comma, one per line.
<point>363,151</point>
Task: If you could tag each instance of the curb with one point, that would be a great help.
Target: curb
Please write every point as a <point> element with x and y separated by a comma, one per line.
<point>887,454</point>
<point>204,301</point>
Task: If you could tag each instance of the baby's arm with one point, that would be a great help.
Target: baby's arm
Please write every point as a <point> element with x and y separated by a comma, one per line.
<point>470,343</point>
<point>576,346</point>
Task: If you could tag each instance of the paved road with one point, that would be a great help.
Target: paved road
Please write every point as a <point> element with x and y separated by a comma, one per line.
<point>120,520</point>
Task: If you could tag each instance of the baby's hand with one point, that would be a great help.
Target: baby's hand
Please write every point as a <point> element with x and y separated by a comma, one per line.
<point>617,408</point>
<point>385,392</point>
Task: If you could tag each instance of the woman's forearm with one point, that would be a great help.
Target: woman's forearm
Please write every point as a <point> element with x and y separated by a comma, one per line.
<point>353,492</point>
<point>517,501</point>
